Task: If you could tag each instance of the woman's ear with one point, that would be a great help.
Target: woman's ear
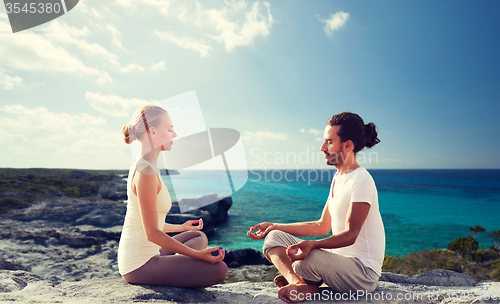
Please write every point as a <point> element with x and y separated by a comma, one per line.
<point>152,130</point>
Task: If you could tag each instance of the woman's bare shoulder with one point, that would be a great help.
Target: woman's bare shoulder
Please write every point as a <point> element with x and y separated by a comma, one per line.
<point>145,168</point>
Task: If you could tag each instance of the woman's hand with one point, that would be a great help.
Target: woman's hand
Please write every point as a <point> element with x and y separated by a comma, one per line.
<point>206,255</point>
<point>193,225</point>
<point>264,229</point>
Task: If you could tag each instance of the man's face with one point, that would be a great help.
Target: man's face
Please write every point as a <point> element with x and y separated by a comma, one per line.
<point>332,147</point>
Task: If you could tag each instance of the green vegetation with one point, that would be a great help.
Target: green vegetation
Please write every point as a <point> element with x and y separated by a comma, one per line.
<point>462,255</point>
<point>476,230</point>
<point>495,236</point>
<point>19,188</point>
<point>464,245</point>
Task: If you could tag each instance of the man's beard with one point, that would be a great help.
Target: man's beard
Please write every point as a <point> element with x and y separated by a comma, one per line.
<point>336,158</point>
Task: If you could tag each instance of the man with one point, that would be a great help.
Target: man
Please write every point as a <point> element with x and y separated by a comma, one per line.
<point>351,259</point>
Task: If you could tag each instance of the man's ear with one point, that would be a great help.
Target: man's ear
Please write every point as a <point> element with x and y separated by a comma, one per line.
<point>349,145</point>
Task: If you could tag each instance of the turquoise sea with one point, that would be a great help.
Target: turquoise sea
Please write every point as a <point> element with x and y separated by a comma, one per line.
<point>421,209</point>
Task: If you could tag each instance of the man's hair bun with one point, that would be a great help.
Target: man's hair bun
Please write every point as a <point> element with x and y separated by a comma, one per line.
<point>371,135</point>
<point>352,127</point>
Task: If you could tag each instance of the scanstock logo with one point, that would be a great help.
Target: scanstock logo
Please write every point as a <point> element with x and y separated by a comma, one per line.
<point>25,14</point>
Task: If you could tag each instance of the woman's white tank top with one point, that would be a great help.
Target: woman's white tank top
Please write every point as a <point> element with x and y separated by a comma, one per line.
<point>134,249</point>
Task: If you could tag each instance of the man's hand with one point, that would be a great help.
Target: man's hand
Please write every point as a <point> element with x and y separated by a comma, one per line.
<point>264,229</point>
<point>300,250</point>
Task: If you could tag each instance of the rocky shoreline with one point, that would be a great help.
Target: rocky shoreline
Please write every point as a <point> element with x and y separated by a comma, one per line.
<point>52,254</point>
<point>63,249</point>
<point>69,239</point>
<point>25,287</point>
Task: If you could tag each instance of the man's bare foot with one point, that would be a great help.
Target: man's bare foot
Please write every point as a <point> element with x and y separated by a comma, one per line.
<point>292,293</point>
<point>280,281</point>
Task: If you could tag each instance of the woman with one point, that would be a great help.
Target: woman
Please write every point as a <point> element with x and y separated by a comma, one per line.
<point>146,255</point>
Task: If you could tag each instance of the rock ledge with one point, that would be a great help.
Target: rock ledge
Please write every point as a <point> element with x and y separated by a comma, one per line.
<point>25,287</point>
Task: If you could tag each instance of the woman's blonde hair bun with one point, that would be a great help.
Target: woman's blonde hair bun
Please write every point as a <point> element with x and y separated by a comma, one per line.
<point>129,134</point>
<point>144,117</point>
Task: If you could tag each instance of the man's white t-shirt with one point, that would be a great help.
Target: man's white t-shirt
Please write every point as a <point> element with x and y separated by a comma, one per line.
<point>358,186</point>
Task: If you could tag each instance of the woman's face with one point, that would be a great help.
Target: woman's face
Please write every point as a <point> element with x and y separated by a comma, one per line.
<point>164,133</point>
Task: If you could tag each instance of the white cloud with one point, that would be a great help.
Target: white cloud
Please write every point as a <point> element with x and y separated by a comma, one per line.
<point>125,3</point>
<point>316,132</point>
<point>18,150</point>
<point>113,105</point>
<point>335,23</point>
<point>66,34</point>
<point>9,82</point>
<point>312,131</point>
<point>86,119</point>
<point>96,142</point>
<point>235,25</point>
<point>60,139</point>
<point>95,13</point>
<point>116,40</point>
<point>185,42</point>
<point>162,5</point>
<point>113,30</point>
<point>33,52</point>
<point>160,66</point>
<point>131,67</point>
<point>105,78</point>
<point>82,7</point>
<point>233,33</point>
<point>118,43</point>
<point>182,13</point>
<point>39,126</point>
<point>260,136</point>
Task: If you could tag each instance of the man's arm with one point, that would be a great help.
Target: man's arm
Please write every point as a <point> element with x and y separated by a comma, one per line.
<point>358,211</point>
<point>313,228</point>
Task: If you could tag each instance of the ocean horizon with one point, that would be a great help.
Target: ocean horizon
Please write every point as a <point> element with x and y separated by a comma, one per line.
<point>421,208</point>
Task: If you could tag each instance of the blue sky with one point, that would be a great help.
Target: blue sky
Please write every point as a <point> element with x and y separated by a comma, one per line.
<point>426,73</point>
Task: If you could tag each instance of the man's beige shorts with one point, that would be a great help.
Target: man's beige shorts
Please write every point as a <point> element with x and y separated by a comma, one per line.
<point>340,273</point>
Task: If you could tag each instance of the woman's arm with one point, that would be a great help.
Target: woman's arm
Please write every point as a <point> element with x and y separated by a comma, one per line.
<point>147,186</point>
<point>189,225</point>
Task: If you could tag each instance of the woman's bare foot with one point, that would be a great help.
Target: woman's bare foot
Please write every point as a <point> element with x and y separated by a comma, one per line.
<point>280,281</point>
<point>292,293</point>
